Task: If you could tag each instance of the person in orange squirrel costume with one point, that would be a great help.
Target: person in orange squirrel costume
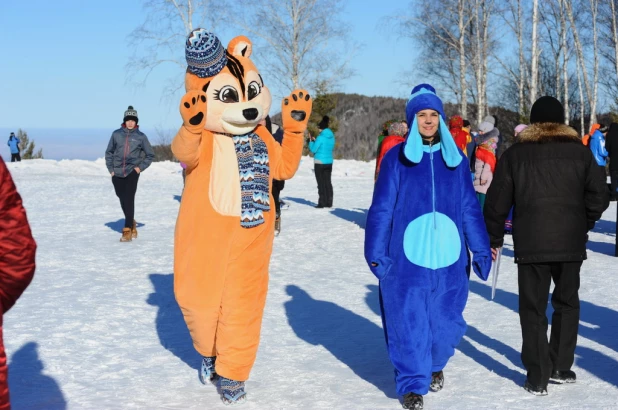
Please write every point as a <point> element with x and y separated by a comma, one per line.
<point>225,228</point>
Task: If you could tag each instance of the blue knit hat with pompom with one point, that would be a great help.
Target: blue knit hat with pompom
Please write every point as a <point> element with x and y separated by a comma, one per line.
<point>204,53</point>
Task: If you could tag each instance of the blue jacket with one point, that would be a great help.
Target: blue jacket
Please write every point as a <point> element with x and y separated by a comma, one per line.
<point>13,141</point>
<point>127,150</point>
<point>323,147</point>
<point>597,146</point>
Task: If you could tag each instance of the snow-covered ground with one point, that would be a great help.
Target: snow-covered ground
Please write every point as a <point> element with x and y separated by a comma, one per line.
<point>99,327</point>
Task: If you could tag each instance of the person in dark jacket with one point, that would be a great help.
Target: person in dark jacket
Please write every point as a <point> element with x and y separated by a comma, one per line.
<point>559,193</point>
<point>17,261</point>
<point>128,154</point>
<point>611,145</point>
<point>13,144</point>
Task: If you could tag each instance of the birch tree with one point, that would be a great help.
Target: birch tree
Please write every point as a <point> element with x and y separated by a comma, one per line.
<point>534,65</point>
<point>594,7</point>
<point>159,40</point>
<point>300,41</point>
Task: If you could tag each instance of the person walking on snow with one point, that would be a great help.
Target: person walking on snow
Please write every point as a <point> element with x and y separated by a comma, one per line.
<point>485,157</point>
<point>396,135</point>
<point>611,145</point>
<point>597,146</point>
<point>423,219</point>
<point>322,147</point>
<point>17,261</point>
<point>128,154</point>
<point>559,193</point>
<point>13,144</point>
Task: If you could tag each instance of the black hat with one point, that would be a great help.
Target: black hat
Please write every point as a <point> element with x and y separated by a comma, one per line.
<point>130,114</point>
<point>12,133</point>
<point>603,128</point>
<point>324,123</point>
<point>547,109</point>
<point>466,123</point>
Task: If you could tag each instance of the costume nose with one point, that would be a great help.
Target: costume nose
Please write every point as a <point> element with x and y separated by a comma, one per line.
<point>250,113</point>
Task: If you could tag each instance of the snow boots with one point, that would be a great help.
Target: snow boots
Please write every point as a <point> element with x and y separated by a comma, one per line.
<point>563,376</point>
<point>126,235</point>
<point>437,381</point>
<point>277,225</point>
<point>412,401</point>
<point>134,230</point>
<point>207,370</point>
<point>232,392</point>
<point>536,390</point>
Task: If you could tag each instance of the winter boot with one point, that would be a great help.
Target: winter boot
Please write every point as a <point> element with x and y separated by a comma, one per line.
<point>277,225</point>
<point>207,371</point>
<point>232,392</point>
<point>126,235</point>
<point>437,381</point>
<point>412,401</point>
<point>563,376</point>
<point>536,390</point>
<point>134,230</point>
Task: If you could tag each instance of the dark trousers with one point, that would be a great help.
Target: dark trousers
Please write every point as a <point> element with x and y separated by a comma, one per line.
<point>15,157</point>
<point>323,174</point>
<point>614,176</point>
<point>277,188</point>
<point>539,357</point>
<point>125,191</point>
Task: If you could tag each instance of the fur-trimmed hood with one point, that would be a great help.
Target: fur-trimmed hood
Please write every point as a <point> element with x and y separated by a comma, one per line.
<point>548,132</point>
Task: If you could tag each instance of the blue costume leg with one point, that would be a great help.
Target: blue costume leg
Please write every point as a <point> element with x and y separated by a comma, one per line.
<point>407,331</point>
<point>448,326</point>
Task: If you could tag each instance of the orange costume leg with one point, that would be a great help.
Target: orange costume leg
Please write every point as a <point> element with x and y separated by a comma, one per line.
<point>244,297</point>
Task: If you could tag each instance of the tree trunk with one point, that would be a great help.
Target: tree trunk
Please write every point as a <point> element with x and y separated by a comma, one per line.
<point>565,60</point>
<point>581,98</point>
<point>463,97</point>
<point>594,6</point>
<point>522,60</point>
<point>579,50</point>
<point>612,5</point>
<point>534,65</point>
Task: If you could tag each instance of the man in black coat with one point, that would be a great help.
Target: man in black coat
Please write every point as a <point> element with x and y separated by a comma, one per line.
<point>558,192</point>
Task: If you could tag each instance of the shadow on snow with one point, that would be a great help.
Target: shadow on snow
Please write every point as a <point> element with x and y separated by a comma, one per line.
<point>119,224</point>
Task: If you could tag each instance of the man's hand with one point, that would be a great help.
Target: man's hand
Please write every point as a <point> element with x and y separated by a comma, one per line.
<point>112,173</point>
<point>494,253</point>
<point>137,170</point>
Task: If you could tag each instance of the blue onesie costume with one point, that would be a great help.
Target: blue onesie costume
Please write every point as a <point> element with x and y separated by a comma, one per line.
<point>423,219</point>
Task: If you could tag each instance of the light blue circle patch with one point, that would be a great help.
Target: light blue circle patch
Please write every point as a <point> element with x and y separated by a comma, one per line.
<point>432,241</point>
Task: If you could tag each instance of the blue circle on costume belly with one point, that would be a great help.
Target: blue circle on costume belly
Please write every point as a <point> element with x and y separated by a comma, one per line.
<point>432,241</point>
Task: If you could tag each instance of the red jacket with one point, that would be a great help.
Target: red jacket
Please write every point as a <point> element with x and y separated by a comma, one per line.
<point>17,250</point>
<point>387,143</point>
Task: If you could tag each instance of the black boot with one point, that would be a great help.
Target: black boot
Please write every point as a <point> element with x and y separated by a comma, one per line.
<point>536,390</point>
<point>412,401</point>
<point>563,376</point>
<point>437,381</point>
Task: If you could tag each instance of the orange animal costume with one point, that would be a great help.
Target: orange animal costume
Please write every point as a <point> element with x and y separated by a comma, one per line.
<point>221,263</point>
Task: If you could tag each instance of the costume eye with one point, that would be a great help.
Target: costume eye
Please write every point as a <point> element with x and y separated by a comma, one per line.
<point>227,94</point>
<point>253,90</point>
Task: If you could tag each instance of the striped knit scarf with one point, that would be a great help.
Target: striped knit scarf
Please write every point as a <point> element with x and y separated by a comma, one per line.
<point>254,171</point>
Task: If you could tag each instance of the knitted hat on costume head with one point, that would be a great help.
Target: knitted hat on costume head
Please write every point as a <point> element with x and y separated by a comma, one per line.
<point>204,53</point>
<point>423,97</point>
<point>130,114</point>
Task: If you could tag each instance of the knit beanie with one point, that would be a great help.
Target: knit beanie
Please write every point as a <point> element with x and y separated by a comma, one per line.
<point>547,109</point>
<point>204,53</point>
<point>486,126</point>
<point>423,97</point>
<point>520,128</point>
<point>490,119</point>
<point>130,114</point>
<point>456,122</point>
<point>324,123</point>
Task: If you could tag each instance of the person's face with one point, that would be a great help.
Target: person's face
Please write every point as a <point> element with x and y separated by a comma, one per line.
<point>130,124</point>
<point>428,121</point>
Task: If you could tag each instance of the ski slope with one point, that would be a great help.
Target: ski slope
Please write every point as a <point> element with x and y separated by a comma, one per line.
<point>99,328</point>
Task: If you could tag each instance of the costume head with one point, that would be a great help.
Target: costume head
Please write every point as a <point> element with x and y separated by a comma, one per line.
<point>547,109</point>
<point>424,97</point>
<point>130,114</point>
<point>236,96</point>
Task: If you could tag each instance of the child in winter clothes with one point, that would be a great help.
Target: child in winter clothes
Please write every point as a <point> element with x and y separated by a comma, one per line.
<point>17,252</point>
<point>423,219</point>
<point>597,146</point>
<point>13,144</point>
<point>485,159</point>
<point>396,135</point>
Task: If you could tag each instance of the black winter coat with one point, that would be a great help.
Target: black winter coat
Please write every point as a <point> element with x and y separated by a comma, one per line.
<point>611,145</point>
<point>558,192</point>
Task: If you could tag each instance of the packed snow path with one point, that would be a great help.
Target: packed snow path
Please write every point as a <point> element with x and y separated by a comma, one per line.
<point>99,327</point>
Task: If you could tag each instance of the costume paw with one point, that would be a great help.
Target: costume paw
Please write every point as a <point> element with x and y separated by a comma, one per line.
<point>193,110</point>
<point>296,110</point>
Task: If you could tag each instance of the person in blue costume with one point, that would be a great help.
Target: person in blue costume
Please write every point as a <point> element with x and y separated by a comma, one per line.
<point>423,219</point>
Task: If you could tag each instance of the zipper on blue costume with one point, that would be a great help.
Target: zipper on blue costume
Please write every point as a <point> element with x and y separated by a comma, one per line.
<point>433,184</point>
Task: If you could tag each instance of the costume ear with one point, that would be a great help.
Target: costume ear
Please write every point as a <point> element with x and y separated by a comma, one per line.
<point>240,47</point>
